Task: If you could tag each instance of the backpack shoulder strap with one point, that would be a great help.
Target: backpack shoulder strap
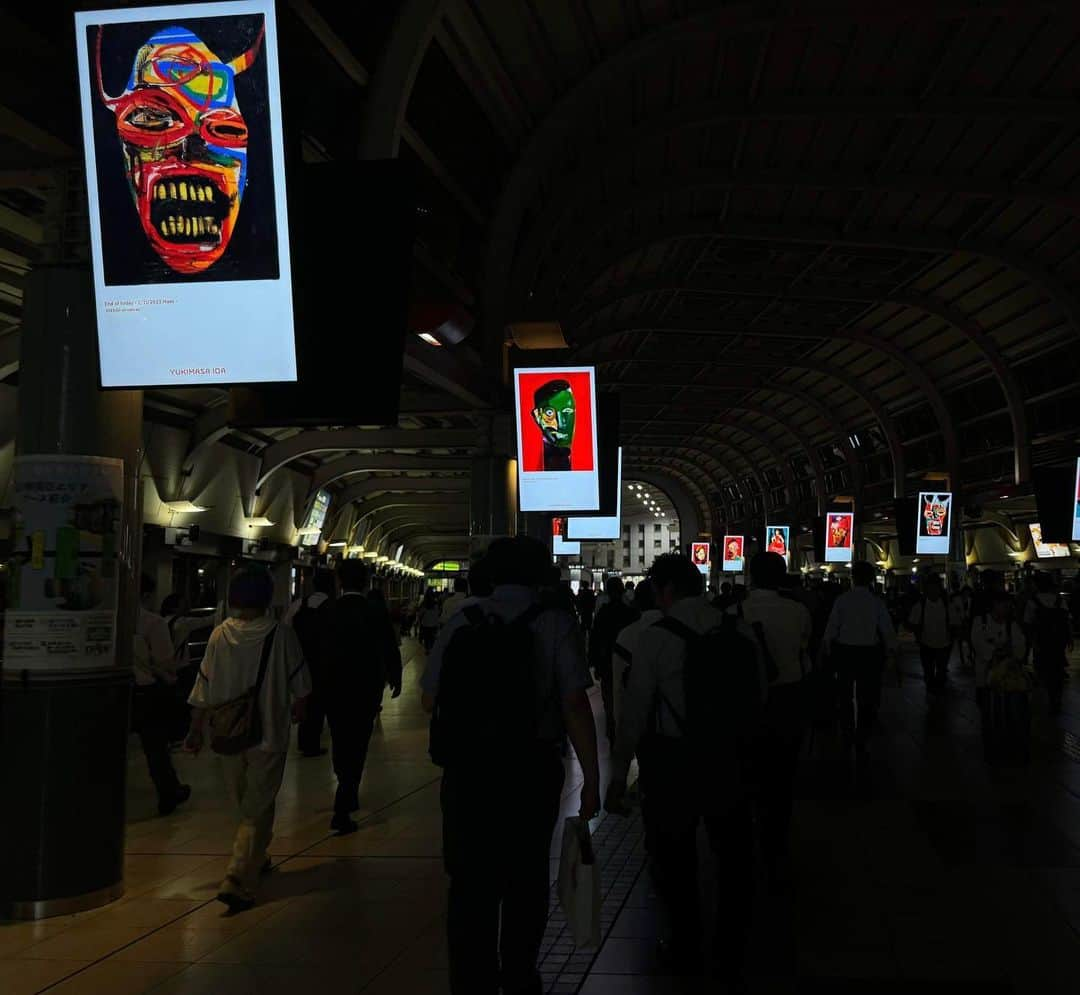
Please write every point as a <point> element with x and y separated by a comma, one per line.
<point>622,652</point>
<point>264,661</point>
<point>677,628</point>
<point>474,613</point>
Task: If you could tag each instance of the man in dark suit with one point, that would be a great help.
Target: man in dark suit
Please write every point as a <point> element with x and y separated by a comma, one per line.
<point>360,657</point>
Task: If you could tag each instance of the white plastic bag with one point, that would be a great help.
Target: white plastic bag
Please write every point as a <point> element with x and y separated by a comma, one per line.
<point>579,883</point>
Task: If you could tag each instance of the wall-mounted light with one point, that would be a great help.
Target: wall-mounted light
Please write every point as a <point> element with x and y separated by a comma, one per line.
<point>337,545</point>
<point>258,522</point>
<point>429,338</point>
<point>185,507</point>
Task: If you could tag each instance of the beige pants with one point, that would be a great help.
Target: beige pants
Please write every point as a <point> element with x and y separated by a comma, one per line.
<point>252,779</point>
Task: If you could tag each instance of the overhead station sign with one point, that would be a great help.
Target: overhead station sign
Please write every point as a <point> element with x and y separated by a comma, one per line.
<point>185,176</point>
<point>934,526</point>
<point>555,412</point>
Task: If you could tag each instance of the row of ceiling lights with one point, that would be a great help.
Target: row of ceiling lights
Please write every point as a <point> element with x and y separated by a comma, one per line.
<point>638,490</point>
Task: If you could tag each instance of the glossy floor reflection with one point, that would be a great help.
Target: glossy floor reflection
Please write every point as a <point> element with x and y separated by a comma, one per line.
<point>931,874</point>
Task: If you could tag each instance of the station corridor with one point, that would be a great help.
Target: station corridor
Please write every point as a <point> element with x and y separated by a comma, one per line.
<point>936,876</point>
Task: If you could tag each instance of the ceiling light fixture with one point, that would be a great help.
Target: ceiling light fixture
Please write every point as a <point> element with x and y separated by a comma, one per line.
<point>185,507</point>
<point>429,338</point>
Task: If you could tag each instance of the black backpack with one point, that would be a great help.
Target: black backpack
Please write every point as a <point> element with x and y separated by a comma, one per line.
<point>1053,630</point>
<point>722,685</point>
<point>486,706</point>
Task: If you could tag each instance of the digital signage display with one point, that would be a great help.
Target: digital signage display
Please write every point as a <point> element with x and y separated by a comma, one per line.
<point>1076,505</point>
<point>559,544</point>
<point>934,524</point>
<point>185,178</point>
<point>555,412</point>
<point>778,540</point>
<point>734,554</point>
<point>1047,550</point>
<point>599,528</point>
<point>701,554</point>
<point>311,530</point>
<point>839,536</point>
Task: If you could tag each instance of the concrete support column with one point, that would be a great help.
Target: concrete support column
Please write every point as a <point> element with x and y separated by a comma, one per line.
<point>64,756</point>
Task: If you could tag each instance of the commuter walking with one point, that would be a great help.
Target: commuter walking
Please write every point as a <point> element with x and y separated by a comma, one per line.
<point>1049,632</point>
<point>858,638</point>
<point>506,682</point>
<point>935,624</point>
<point>452,605</point>
<point>693,702</point>
<point>610,620</point>
<point>307,624</point>
<point>998,644</point>
<point>360,658</point>
<point>586,605</point>
<point>249,658</point>
<point>782,627</point>
<point>428,619</point>
<point>622,654</point>
<point>154,704</point>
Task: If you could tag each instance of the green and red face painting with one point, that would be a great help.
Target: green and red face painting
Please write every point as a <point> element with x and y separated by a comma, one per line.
<point>184,144</point>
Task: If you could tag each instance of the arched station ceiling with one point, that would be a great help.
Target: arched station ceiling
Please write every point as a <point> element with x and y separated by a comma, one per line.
<point>817,248</point>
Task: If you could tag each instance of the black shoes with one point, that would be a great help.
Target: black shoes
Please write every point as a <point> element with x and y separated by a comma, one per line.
<point>342,824</point>
<point>166,806</point>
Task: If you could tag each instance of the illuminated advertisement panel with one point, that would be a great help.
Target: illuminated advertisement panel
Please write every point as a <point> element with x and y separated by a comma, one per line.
<point>839,536</point>
<point>1047,550</point>
<point>311,530</point>
<point>778,540</point>
<point>601,528</point>
<point>934,525</point>
<point>559,544</point>
<point>1076,505</point>
<point>555,411</point>
<point>185,178</point>
<point>701,554</point>
<point>734,554</point>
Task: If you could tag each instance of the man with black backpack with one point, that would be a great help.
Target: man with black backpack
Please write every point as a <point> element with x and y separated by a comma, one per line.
<point>1049,632</point>
<point>307,624</point>
<point>506,683</point>
<point>692,709</point>
<point>782,627</point>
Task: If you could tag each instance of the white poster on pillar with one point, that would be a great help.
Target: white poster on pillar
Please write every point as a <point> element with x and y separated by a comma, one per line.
<point>65,571</point>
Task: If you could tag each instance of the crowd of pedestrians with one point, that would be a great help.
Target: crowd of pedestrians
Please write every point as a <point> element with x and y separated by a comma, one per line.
<point>711,695</point>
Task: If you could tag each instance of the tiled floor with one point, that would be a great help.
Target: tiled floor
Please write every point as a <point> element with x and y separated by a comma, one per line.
<point>936,875</point>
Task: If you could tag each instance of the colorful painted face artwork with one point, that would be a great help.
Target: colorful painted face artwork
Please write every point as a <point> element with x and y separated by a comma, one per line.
<point>184,143</point>
<point>734,557</point>
<point>935,524</point>
<point>839,538</point>
<point>554,411</point>
<point>779,541</point>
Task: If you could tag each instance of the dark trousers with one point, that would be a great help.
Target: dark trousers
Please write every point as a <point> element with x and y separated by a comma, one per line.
<point>607,695</point>
<point>778,758</point>
<point>309,732</point>
<point>152,713</point>
<point>351,726</point>
<point>858,674</point>
<point>1051,669</point>
<point>935,664</point>
<point>498,862</point>
<point>680,794</point>
<point>427,636</point>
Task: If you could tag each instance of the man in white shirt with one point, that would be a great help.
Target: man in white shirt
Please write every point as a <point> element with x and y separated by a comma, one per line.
<point>622,656</point>
<point>153,705</point>
<point>995,638</point>
<point>230,669</point>
<point>783,628</point>
<point>682,787</point>
<point>934,622</point>
<point>453,604</point>
<point>858,638</point>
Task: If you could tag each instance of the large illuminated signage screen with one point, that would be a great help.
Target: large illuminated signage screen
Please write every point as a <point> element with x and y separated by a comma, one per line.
<point>559,544</point>
<point>1047,550</point>
<point>734,554</point>
<point>934,525</point>
<point>701,554</point>
<point>312,528</point>
<point>839,536</point>
<point>599,528</point>
<point>778,540</point>
<point>185,177</point>
<point>1076,505</point>
<point>558,467</point>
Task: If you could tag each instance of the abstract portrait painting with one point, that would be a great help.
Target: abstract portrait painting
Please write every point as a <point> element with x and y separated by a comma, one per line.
<point>183,152</point>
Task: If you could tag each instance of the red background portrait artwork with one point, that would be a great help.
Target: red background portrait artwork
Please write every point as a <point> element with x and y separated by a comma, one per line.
<point>838,531</point>
<point>532,442</point>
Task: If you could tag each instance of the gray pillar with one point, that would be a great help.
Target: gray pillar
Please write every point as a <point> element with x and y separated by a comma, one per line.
<point>62,768</point>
